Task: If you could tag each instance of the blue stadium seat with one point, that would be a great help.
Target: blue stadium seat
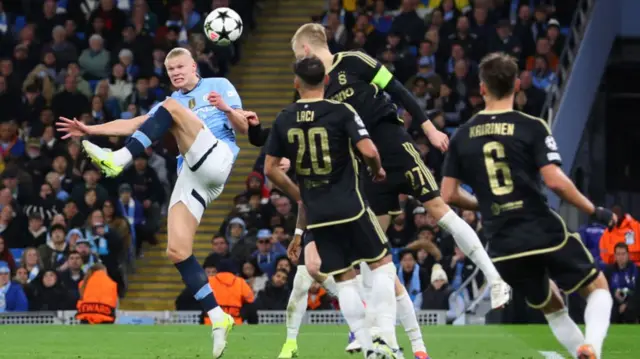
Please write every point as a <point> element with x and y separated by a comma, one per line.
<point>17,254</point>
<point>19,24</point>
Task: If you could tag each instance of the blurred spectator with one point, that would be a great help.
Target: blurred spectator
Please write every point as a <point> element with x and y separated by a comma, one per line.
<point>220,251</point>
<point>275,295</point>
<point>535,96</point>
<point>49,294</point>
<point>318,298</point>
<point>72,275</point>
<point>411,275</point>
<point>45,204</point>
<point>142,96</point>
<point>124,227</point>
<point>37,232</point>
<point>147,189</point>
<point>54,180</point>
<point>627,231</point>
<point>543,78</point>
<point>91,176</point>
<point>505,41</point>
<point>624,282</point>
<point>54,252</point>
<point>10,144</point>
<point>543,49</point>
<point>409,23</point>
<point>35,163</point>
<point>11,226</point>
<point>83,247</point>
<point>254,276</point>
<point>95,59</point>
<point>70,102</point>
<point>556,38</point>
<point>133,212</point>
<point>12,296</point>
<point>232,292</point>
<point>242,246</point>
<point>6,256</point>
<point>269,249</point>
<point>64,50</point>
<point>440,296</point>
<point>32,262</point>
<point>120,87</point>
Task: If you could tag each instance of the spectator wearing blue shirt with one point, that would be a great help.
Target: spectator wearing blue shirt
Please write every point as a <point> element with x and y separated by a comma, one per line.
<point>623,283</point>
<point>12,297</point>
<point>269,249</point>
<point>543,78</point>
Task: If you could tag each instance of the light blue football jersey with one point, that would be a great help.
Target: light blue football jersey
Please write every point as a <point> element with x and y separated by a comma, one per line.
<point>214,119</point>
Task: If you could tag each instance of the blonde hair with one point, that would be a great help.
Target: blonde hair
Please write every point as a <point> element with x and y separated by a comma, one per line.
<point>311,33</point>
<point>177,51</point>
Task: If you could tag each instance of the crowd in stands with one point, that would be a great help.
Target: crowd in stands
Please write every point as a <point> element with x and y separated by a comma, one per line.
<point>95,60</point>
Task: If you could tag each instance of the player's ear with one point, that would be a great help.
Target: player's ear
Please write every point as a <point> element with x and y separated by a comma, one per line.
<point>326,79</point>
<point>483,89</point>
<point>296,82</point>
<point>516,86</point>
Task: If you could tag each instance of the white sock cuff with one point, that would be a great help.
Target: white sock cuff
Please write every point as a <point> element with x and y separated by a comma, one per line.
<point>446,220</point>
<point>601,294</point>
<point>555,315</point>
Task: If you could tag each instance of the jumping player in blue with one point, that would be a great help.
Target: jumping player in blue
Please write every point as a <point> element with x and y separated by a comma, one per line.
<point>203,116</point>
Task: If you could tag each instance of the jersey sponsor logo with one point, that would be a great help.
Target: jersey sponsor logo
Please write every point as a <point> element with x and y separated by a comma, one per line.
<point>230,93</point>
<point>553,156</point>
<point>630,238</point>
<point>363,132</point>
<point>551,143</point>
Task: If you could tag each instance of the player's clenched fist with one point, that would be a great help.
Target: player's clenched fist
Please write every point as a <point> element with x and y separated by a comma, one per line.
<point>381,176</point>
<point>215,99</point>
<point>252,118</point>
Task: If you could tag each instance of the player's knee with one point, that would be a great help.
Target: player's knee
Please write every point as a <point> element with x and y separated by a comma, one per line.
<point>177,254</point>
<point>437,207</point>
<point>384,261</point>
<point>599,283</point>
<point>171,105</point>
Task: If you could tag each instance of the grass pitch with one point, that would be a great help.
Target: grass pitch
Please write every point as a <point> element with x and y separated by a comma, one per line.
<point>258,342</point>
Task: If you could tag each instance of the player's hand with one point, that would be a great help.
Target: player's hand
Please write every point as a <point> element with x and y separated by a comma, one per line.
<point>284,164</point>
<point>72,128</point>
<point>605,216</point>
<point>438,139</point>
<point>381,176</point>
<point>252,118</point>
<point>293,251</point>
<point>215,99</point>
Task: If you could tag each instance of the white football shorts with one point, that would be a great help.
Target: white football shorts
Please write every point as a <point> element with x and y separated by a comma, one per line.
<point>205,170</point>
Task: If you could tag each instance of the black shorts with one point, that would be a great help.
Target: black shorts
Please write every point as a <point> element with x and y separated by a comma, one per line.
<point>341,246</point>
<point>406,172</point>
<point>569,264</point>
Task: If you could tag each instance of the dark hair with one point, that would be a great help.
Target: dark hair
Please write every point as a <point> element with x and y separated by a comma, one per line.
<point>73,252</point>
<point>498,71</point>
<point>310,70</point>
<point>405,252</point>
<point>621,245</point>
<point>281,271</point>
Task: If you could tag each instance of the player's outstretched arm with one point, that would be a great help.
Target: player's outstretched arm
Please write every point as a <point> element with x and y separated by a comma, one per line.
<point>75,128</point>
<point>452,192</point>
<point>558,182</point>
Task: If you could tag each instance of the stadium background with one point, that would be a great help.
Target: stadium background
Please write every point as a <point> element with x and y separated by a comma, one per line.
<point>102,60</point>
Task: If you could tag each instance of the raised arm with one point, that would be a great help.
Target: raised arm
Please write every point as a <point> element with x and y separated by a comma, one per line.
<point>75,128</point>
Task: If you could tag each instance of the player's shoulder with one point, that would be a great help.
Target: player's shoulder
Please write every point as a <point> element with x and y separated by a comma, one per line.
<point>533,122</point>
<point>355,56</point>
<point>339,106</point>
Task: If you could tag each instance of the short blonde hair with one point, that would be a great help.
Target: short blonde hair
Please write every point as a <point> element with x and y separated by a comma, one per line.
<point>311,33</point>
<point>177,51</point>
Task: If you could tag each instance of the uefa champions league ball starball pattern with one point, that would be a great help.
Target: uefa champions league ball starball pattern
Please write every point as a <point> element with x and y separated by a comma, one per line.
<point>223,26</point>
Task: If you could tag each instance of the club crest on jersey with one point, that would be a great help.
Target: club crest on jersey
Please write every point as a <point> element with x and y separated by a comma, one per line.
<point>551,143</point>
<point>192,103</point>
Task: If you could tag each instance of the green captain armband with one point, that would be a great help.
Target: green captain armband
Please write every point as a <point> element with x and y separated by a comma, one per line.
<point>382,78</point>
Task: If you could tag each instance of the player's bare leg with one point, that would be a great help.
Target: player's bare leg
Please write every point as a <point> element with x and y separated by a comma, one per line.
<point>597,317</point>
<point>467,239</point>
<point>563,327</point>
<point>171,116</point>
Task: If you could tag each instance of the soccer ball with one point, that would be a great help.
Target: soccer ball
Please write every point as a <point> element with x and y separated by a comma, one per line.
<point>223,26</point>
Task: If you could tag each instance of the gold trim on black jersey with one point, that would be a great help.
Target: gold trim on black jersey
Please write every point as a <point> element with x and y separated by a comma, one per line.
<point>534,252</point>
<point>310,100</point>
<point>354,163</point>
<point>544,303</point>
